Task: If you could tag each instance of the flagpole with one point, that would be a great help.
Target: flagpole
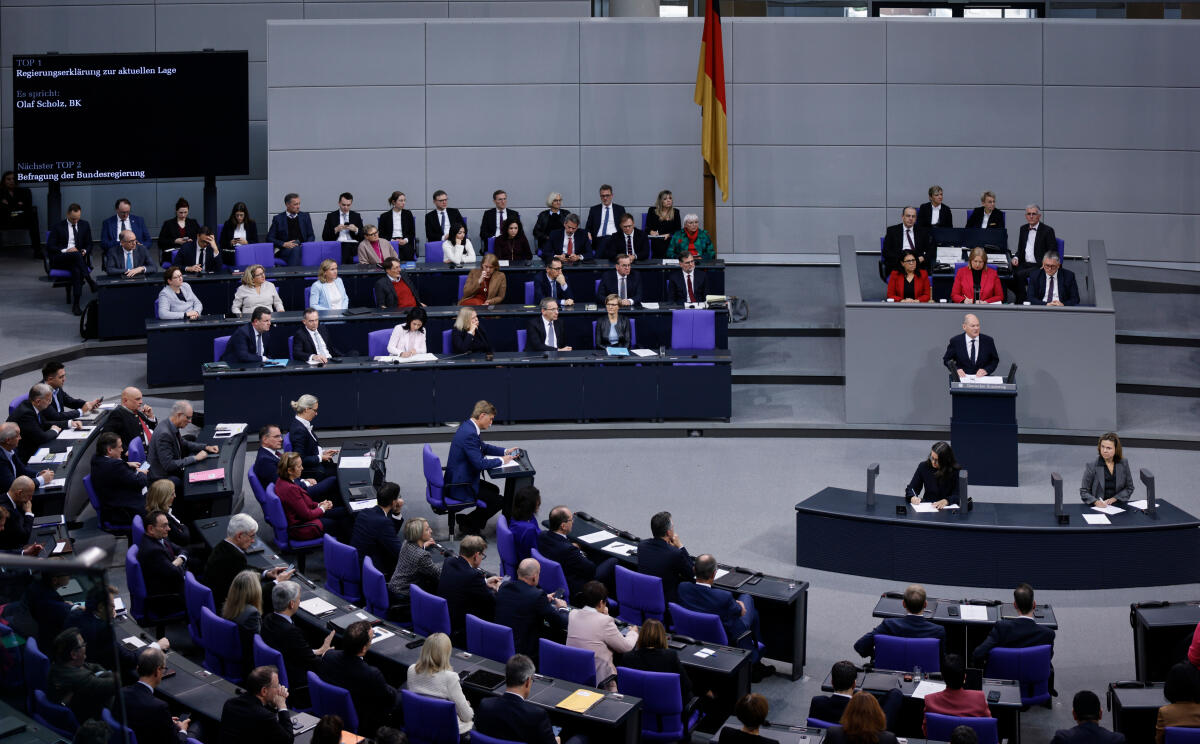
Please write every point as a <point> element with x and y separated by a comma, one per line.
<point>710,204</point>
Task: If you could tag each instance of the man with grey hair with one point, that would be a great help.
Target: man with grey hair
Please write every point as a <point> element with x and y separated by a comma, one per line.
<point>13,465</point>
<point>531,613</point>
<point>737,614</point>
<point>546,333</point>
<point>18,502</point>
<point>280,633</point>
<point>906,236</point>
<point>36,430</point>
<point>1034,239</point>
<point>147,715</point>
<point>465,590</point>
<point>169,452</point>
<point>510,716</point>
<point>1053,286</point>
<point>228,558</point>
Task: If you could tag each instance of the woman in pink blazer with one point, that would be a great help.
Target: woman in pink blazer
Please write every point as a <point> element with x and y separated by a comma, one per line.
<point>977,274</point>
<point>593,629</point>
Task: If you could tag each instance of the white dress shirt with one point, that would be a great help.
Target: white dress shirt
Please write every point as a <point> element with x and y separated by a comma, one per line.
<point>1030,239</point>
<point>397,224</point>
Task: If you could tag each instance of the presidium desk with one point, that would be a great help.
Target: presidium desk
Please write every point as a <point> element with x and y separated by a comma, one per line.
<point>996,545</point>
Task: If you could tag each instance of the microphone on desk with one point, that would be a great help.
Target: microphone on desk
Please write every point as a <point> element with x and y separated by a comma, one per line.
<point>1056,482</point>
<point>964,501</point>
<point>872,472</point>
<point>1148,481</point>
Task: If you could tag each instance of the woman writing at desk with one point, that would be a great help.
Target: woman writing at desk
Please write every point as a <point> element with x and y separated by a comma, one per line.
<point>977,282</point>
<point>909,284</point>
<point>408,338</point>
<point>937,477</point>
<point>1107,480</point>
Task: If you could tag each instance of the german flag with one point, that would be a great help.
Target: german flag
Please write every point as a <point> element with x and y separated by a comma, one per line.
<point>710,96</point>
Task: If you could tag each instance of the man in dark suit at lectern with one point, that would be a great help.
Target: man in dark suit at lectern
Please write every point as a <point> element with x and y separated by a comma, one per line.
<point>971,352</point>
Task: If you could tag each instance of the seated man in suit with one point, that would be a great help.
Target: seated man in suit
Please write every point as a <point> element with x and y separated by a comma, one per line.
<point>843,676</point>
<point>738,615</point>
<point>377,529</point>
<point>251,342</point>
<point>912,625</point>
<point>69,247</point>
<point>289,230</point>
<point>169,452</point>
<point>603,218</point>
<point>493,219</point>
<point>907,237</point>
<point>469,457</point>
<point>1053,285</point>
<point>129,258</point>
<point>546,333</point>
<point>395,289</point>
<point>569,245</point>
<point>441,221</point>
<point>311,343</point>
<point>510,716</point>
<point>82,686</point>
<point>972,352</point>
<point>1086,710</point>
<point>279,631</point>
<point>687,284</point>
<point>664,556</point>
<point>260,713</point>
<point>123,220</point>
<point>228,559</point>
<point>37,426</point>
<point>63,406</point>
<point>266,466</point>
<point>954,700</point>
<point>132,419</point>
<point>118,484</point>
<point>531,613</point>
<point>147,715</point>
<point>201,256</point>
<point>555,544</point>
<point>465,590</point>
<point>553,285</point>
<point>18,502</point>
<point>345,226</point>
<point>1034,240</point>
<point>376,701</point>
<point>12,465</point>
<point>1017,632</point>
<point>622,282</point>
<point>163,565</point>
<point>629,241</point>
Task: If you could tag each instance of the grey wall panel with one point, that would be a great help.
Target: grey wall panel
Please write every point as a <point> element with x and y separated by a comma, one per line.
<point>258,150</point>
<point>241,26</point>
<point>470,174</point>
<point>813,51</point>
<point>833,176</point>
<point>310,118</point>
<point>636,50</point>
<point>1123,118</point>
<point>401,9</point>
<point>532,52</point>
<point>1121,53</point>
<point>637,174</point>
<point>1123,180</point>
<point>964,115</point>
<point>96,28</point>
<point>258,91</point>
<point>320,175</point>
<point>981,52</point>
<point>1014,174</point>
<point>501,115</point>
<point>804,229</point>
<point>618,114</point>
<point>807,114</point>
<point>1132,236</point>
<point>384,53</point>
<point>528,9</point>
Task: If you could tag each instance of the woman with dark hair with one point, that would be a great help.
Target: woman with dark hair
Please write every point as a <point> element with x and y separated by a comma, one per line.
<point>328,730</point>
<point>1182,691</point>
<point>179,230</point>
<point>937,477</point>
<point>652,655</point>
<point>524,524</point>
<point>752,711</point>
<point>592,629</point>
<point>512,245</point>
<point>177,300</point>
<point>909,284</point>
<point>863,722</point>
<point>239,229</point>
<point>1107,480</point>
<point>408,338</point>
<point>486,285</point>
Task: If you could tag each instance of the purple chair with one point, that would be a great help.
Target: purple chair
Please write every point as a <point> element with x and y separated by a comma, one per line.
<point>1174,735</point>
<point>57,718</point>
<point>219,344</point>
<point>377,342</point>
<point>1029,666</point>
<point>818,723</point>
<point>664,717</point>
<point>576,665</point>
<point>222,644</point>
<point>196,597</point>
<point>254,253</point>
<point>343,572</point>
<point>433,252</point>
<point>291,346</point>
<point>632,332</point>
<point>489,639</point>
<point>36,668</point>
<point>429,720</point>
<point>903,654</point>
<point>112,528</point>
<point>939,727</point>
<point>58,277</point>
<point>138,595</point>
<point>287,442</point>
<point>138,530</point>
<point>552,577</point>
<point>522,335</point>
<point>644,216</point>
<point>437,491</point>
<point>121,732</point>
<point>307,294</point>
<point>12,406</point>
<point>506,545</point>
<point>264,655</point>
<point>447,343</point>
<point>312,254</point>
<point>491,245</point>
<point>703,626</point>
<point>430,613</point>
<point>375,591</point>
<point>462,281</point>
<point>331,700</point>
<point>256,486</point>
<point>596,292</point>
<point>273,513</point>
<point>137,450</point>
<point>640,596</point>
<point>1062,246</point>
<point>693,329</point>
<point>528,293</point>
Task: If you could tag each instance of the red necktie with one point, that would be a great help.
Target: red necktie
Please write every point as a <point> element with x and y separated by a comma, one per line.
<point>691,294</point>
<point>570,245</point>
<point>145,430</point>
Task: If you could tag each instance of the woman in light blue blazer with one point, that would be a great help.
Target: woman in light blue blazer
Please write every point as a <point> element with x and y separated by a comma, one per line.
<point>177,300</point>
<point>328,292</point>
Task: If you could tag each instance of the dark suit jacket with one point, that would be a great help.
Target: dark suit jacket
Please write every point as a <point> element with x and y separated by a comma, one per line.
<point>35,429</point>
<point>385,296</point>
<point>894,246</point>
<point>1044,241</point>
<point>536,340</point>
<point>469,456</point>
<point>595,214</point>
<point>541,288</point>
<point>303,346</point>
<point>117,484</point>
<point>925,218</point>
<point>266,467</point>
<point>170,453</point>
<point>908,626</point>
<point>114,260</point>
<point>1092,487</point>
<point>288,640</point>
<point>677,288</point>
<point>127,424</point>
<point>149,717</point>
<point>528,612</point>
<point>161,575</point>
<point>462,342</point>
<point>244,718</point>
<point>224,563</point>
<point>305,444</point>
<point>609,283</point>
<point>554,245</point>
<point>374,699</point>
<point>975,219</point>
<point>407,252</point>
<point>188,256</point>
<point>511,717</point>
<point>657,557</point>
<point>487,225</point>
<point>18,528</point>
<point>828,708</point>
<point>985,356</point>
<point>242,347</point>
<point>1014,633</point>
<point>169,233</point>
<point>277,233</point>
<point>227,230</point>
<point>615,246</point>
<point>68,403</point>
<point>624,332</point>
<point>464,590</point>
<point>328,232</point>
<point>57,239</point>
<point>664,660</point>
<point>375,537</point>
<point>109,237</point>
<point>1087,733</point>
<point>1068,290</point>
<point>576,566</point>
<point>433,228</point>
<point>11,466</point>
<point>716,601</point>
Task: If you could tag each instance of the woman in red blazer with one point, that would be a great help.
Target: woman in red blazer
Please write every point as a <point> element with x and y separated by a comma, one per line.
<point>307,520</point>
<point>910,284</point>
<point>977,274</point>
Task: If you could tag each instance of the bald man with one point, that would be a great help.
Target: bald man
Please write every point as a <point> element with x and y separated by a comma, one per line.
<point>12,464</point>
<point>971,353</point>
<point>128,259</point>
<point>19,504</point>
<point>131,420</point>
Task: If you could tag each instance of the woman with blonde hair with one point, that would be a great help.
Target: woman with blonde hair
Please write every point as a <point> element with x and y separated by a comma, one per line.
<point>256,291</point>
<point>549,220</point>
<point>977,282</point>
<point>243,606</point>
<point>662,221</point>
<point>486,285</point>
<point>467,335</point>
<point>328,292</point>
<point>159,496</point>
<point>433,676</point>
<point>318,463</point>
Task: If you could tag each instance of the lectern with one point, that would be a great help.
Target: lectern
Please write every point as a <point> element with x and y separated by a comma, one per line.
<point>983,431</point>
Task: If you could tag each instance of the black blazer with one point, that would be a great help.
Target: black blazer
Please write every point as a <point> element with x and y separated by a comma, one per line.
<point>149,717</point>
<point>595,214</point>
<point>244,718</point>
<point>127,424</point>
<point>57,239</point>
<point>986,357</point>
<point>11,466</point>
<point>188,256</point>
<point>241,347</point>
<point>894,246</point>
<point>925,484</point>
<point>609,284</point>
<point>615,246</point>
<point>925,218</point>
<point>995,219</point>
<point>487,225</point>
<point>1089,732</point>
<point>1068,290</point>
<point>35,429</point>
<point>677,288</point>
<point>624,334</point>
<point>288,640</point>
<point>1016,632</point>
<point>117,484</point>
<point>374,698</point>
<point>528,611</point>
<point>385,296</point>
<point>509,716</point>
<point>332,220</point>
<point>576,566</point>
<point>227,231</point>
<point>907,626</point>
<point>665,229</point>
<point>462,342</point>
<point>70,406</point>
<point>305,444</point>
<point>1044,241</point>
<point>169,233</point>
<point>407,252</point>
<point>224,563</point>
<point>547,223</point>
<point>433,228</point>
<point>303,346</point>
<point>162,576</point>
<point>828,708</point>
<point>657,557</point>
<point>536,335</point>
<point>266,467</point>
<point>376,537</point>
<point>465,592</point>
<point>554,245</point>
<point>18,528</point>
<point>659,660</point>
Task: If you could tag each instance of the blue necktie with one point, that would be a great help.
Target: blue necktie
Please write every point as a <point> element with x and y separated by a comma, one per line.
<point>128,260</point>
<point>604,223</point>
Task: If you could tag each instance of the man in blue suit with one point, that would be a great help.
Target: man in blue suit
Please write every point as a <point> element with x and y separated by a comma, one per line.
<point>1053,285</point>
<point>555,543</point>
<point>529,611</point>
<point>664,556</point>
<point>129,258</point>
<point>465,589</point>
<point>469,457</point>
<point>266,466</point>
<point>376,530</point>
<point>118,484</point>
<point>737,614</point>
<point>611,281</point>
<point>124,219</point>
<point>1022,631</point>
<point>290,229</point>
<point>568,244</point>
<point>251,342</point>
<point>603,218</point>
<point>912,625</point>
<point>971,352</point>
<point>551,283</point>
<point>12,465</point>
<point>147,715</point>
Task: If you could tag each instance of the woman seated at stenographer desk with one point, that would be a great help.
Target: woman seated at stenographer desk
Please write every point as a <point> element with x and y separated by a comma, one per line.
<point>937,477</point>
<point>977,282</point>
<point>1108,480</point>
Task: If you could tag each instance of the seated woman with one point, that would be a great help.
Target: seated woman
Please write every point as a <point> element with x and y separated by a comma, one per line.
<point>662,222</point>
<point>177,231</point>
<point>549,220</point>
<point>239,229</point>
<point>977,282</point>
<point>691,239</point>
<point>467,335</point>
<point>373,249</point>
<point>937,477</point>
<point>485,285</point>
<point>202,256</point>
<point>433,676</point>
<point>1182,692</point>
<point>307,519</point>
<point>863,722</point>
<point>243,606</point>
<point>524,523</point>
<point>986,216</point>
<point>161,496</point>
<point>415,564</point>
<point>652,655</point>
<point>256,291</point>
<point>457,249</point>
<point>593,629</point>
<point>612,329</point>
<point>752,711</point>
<point>318,463</point>
<point>1108,480</point>
<point>909,284</point>
<point>177,300</point>
<point>328,291</point>
<point>408,338</point>
<point>511,245</point>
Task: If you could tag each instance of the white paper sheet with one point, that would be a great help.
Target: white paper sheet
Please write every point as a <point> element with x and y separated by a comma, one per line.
<point>620,548</point>
<point>59,547</point>
<point>720,572</point>
<point>426,357</point>
<point>316,606</point>
<point>76,433</point>
<point>380,633</point>
<point>650,305</point>
<point>986,379</point>
<point>363,504</point>
<point>134,641</point>
<point>511,464</point>
<point>355,462</point>
<point>927,687</point>
<point>1110,509</point>
<point>1139,504</point>
<point>57,483</point>
<point>643,352</point>
<point>596,537</point>
<point>1096,519</point>
<point>927,506</point>
<point>972,612</point>
<point>232,428</point>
